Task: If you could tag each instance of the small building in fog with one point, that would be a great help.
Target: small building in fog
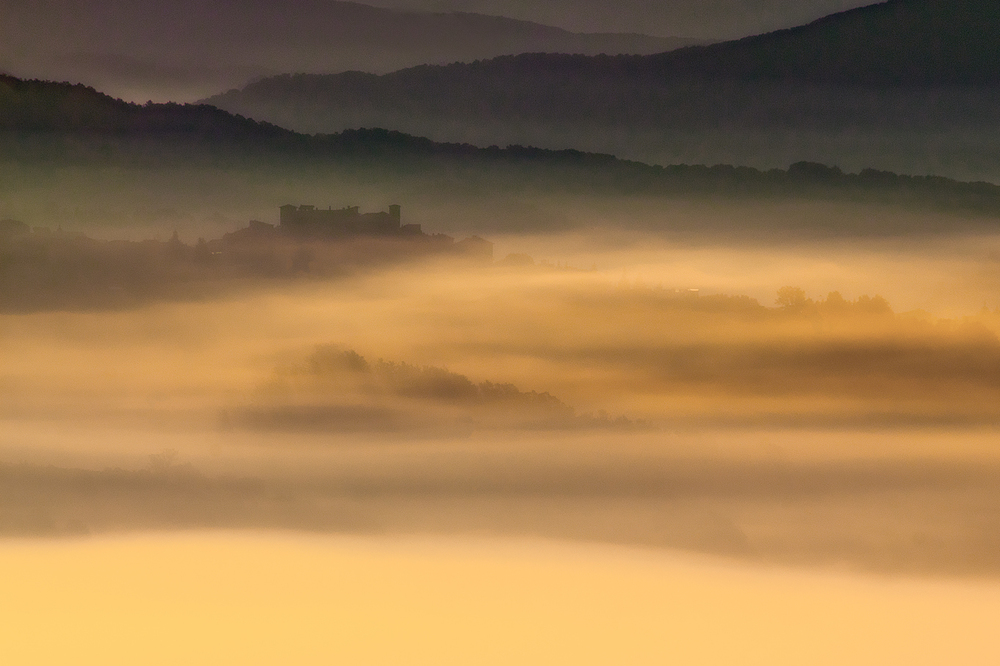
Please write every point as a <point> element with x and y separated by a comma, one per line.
<point>311,222</point>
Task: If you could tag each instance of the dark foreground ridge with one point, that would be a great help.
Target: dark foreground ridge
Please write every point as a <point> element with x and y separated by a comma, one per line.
<point>42,269</point>
<point>47,125</point>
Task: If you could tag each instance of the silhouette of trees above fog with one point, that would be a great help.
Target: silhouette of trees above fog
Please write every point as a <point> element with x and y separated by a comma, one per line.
<point>336,390</point>
<point>423,382</point>
<point>793,299</point>
<point>710,358</point>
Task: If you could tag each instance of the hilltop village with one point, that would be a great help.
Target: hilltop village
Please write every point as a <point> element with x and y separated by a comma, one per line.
<point>41,268</point>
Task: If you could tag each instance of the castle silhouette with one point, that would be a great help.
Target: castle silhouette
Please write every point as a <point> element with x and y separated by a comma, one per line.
<point>45,268</point>
<point>311,222</point>
<point>307,222</point>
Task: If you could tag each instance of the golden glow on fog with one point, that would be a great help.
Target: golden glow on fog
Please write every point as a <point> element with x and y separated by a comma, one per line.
<point>590,338</point>
<point>101,390</point>
<point>245,599</point>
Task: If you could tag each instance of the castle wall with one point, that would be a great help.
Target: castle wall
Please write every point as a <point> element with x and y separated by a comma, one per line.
<point>308,221</point>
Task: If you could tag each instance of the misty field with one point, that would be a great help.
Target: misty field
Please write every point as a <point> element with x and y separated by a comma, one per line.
<point>644,392</point>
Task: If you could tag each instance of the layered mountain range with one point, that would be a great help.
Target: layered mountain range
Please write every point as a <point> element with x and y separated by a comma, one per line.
<point>802,97</point>
<point>173,50</point>
<point>909,85</point>
<point>47,127</point>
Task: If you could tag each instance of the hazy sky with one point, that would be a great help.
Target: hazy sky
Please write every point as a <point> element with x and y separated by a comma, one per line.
<point>694,18</point>
<point>683,18</point>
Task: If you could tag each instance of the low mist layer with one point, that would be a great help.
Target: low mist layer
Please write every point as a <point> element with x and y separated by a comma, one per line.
<point>596,340</point>
<point>727,411</point>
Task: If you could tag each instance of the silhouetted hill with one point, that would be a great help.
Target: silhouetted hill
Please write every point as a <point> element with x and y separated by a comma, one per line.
<point>172,49</point>
<point>45,106</point>
<point>914,42</point>
<point>906,85</point>
<point>923,42</point>
<point>48,124</point>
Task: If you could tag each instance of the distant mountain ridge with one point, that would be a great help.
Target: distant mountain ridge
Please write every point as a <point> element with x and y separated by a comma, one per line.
<point>898,42</point>
<point>905,85</point>
<point>172,49</point>
<point>50,124</point>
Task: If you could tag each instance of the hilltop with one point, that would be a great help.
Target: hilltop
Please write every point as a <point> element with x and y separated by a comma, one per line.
<point>899,42</point>
<point>42,268</point>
